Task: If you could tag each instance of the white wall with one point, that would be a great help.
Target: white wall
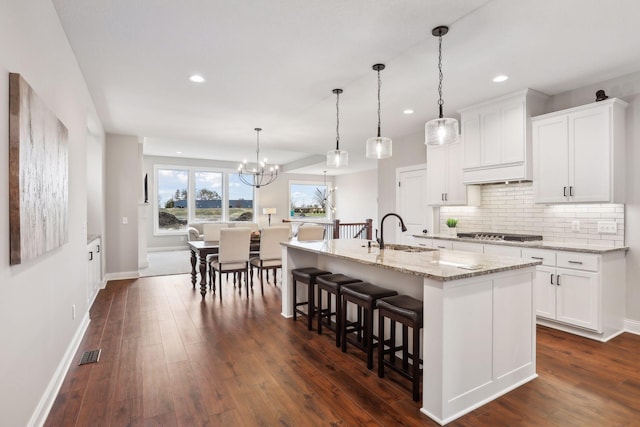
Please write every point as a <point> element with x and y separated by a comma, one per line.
<point>628,89</point>
<point>36,327</point>
<point>407,151</point>
<point>122,195</point>
<point>356,197</point>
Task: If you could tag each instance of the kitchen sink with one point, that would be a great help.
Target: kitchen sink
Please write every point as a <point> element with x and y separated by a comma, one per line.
<point>406,248</point>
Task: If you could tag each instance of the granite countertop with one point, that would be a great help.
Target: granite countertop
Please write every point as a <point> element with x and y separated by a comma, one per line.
<point>443,265</point>
<point>538,244</point>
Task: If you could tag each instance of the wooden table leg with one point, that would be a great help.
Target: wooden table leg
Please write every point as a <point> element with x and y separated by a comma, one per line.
<point>193,268</point>
<point>203,274</point>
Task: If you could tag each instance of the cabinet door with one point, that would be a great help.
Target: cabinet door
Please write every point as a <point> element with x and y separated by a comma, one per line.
<point>545,292</point>
<point>551,160</point>
<point>513,124</point>
<point>491,151</point>
<point>501,250</point>
<point>577,298</point>
<point>436,166</point>
<point>471,135</point>
<point>456,191</point>
<point>590,165</point>
<point>442,244</point>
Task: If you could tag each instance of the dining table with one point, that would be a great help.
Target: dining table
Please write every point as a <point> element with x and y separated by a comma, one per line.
<point>200,249</point>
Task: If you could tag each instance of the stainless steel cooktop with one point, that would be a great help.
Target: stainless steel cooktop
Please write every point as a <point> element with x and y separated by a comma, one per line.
<point>507,237</point>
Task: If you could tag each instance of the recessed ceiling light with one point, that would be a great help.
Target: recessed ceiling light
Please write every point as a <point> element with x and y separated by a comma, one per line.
<point>501,78</point>
<point>178,152</point>
<point>408,111</point>
<point>196,78</point>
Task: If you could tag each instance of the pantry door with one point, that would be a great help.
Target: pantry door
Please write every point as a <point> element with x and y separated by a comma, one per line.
<point>411,202</point>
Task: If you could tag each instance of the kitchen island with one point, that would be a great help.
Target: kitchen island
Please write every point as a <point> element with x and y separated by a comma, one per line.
<point>479,323</point>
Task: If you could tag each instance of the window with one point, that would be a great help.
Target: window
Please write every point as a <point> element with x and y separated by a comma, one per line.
<point>195,195</point>
<point>172,185</point>
<point>208,189</point>
<point>309,200</point>
<point>240,199</point>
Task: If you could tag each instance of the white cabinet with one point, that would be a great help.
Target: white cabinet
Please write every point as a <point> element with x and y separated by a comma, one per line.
<point>579,154</point>
<point>497,137</point>
<point>444,177</point>
<point>502,250</point>
<point>418,241</point>
<point>580,293</point>
<point>468,246</point>
<point>94,272</point>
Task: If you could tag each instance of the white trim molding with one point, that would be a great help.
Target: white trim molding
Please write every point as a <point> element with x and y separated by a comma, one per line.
<point>45,404</point>
<point>632,326</point>
<point>121,275</point>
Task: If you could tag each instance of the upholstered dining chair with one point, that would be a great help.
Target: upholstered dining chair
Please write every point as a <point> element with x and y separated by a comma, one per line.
<point>310,232</point>
<point>270,257</point>
<point>233,256</point>
<point>211,232</point>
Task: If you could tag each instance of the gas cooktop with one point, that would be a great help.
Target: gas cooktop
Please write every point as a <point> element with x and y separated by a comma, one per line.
<point>507,237</point>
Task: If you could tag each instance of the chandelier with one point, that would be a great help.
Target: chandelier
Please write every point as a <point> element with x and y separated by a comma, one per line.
<point>326,195</point>
<point>261,174</point>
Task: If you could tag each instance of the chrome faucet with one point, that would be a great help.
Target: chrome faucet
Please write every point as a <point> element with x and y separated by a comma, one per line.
<point>381,239</point>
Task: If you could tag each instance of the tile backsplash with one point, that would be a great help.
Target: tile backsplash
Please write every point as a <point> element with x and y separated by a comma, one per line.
<point>509,208</point>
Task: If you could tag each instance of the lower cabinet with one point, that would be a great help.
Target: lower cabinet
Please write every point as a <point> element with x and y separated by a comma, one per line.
<point>579,292</point>
<point>94,272</point>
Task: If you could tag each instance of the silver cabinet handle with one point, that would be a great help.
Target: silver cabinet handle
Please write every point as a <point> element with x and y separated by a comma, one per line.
<point>570,191</point>
<point>564,191</point>
<point>422,244</point>
<point>537,257</point>
<point>551,278</point>
<point>446,197</point>
<point>442,247</point>
<point>97,248</point>
<point>558,280</point>
<point>575,262</point>
<point>442,196</point>
<point>90,255</point>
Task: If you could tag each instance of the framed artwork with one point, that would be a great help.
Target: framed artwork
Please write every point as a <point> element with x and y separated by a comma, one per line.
<point>38,175</point>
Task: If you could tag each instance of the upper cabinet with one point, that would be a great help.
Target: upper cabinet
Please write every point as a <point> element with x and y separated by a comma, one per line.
<point>444,177</point>
<point>497,137</point>
<point>579,154</point>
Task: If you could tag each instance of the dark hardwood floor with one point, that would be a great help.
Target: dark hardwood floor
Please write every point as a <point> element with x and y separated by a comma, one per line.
<point>170,358</point>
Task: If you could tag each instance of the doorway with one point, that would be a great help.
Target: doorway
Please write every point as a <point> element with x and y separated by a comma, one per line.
<point>411,201</point>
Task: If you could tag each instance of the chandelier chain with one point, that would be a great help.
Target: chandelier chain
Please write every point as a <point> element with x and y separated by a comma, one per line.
<point>440,101</point>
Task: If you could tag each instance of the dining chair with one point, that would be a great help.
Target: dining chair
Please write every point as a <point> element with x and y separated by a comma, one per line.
<point>233,256</point>
<point>270,256</point>
<point>310,232</point>
<point>211,232</point>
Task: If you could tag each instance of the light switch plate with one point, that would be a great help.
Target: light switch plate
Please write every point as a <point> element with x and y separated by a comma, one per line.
<point>607,227</point>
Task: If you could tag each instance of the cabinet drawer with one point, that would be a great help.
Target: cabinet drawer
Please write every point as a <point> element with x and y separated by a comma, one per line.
<point>578,261</point>
<point>502,250</point>
<point>467,246</point>
<point>442,244</point>
<point>547,257</point>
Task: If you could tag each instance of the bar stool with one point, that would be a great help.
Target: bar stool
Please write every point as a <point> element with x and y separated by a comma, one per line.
<point>407,311</point>
<point>306,275</point>
<point>332,284</point>
<point>364,295</point>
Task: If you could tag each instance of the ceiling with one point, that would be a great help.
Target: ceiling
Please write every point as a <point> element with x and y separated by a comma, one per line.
<point>273,64</point>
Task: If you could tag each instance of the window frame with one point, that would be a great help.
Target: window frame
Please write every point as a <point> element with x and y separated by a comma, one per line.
<point>191,197</point>
<point>328,213</point>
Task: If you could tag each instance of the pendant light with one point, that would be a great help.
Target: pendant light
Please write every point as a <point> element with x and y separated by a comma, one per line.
<point>337,158</point>
<point>441,130</point>
<point>378,147</point>
<point>327,195</point>
<point>261,174</point>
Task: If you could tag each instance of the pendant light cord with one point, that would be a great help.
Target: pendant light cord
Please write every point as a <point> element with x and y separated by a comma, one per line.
<point>440,101</point>
<point>257,147</point>
<point>379,84</point>
<point>337,122</point>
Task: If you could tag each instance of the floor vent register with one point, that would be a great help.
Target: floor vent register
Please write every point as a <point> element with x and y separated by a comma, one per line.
<point>91,356</point>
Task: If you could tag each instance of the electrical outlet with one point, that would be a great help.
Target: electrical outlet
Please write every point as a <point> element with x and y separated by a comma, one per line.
<point>575,225</point>
<point>607,227</point>
<point>125,220</point>
<point>73,312</point>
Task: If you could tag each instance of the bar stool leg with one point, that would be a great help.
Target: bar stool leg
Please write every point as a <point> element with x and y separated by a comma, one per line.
<point>392,343</point>
<point>416,364</point>
<point>320,309</point>
<point>295,298</point>
<point>369,336</point>
<point>405,347</point>
<point>381,344</point>
<point>311,307</point>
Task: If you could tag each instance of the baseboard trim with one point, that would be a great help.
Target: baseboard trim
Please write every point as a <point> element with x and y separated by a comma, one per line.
<point>121,275</point>
<point>632,326</point>
<point>45,404</point>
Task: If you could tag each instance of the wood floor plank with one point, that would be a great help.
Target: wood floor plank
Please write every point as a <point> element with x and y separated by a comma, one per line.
<point>171,358</point>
